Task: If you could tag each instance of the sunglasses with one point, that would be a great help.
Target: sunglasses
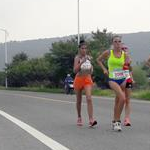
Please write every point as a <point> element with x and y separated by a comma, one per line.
<point>124,48</point>
<point>117,41</point>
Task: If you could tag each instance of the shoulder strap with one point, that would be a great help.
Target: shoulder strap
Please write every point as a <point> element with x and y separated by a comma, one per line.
<point>110,52</point>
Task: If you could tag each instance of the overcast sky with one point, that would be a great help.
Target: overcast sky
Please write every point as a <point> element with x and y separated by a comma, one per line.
<point>34,19</point>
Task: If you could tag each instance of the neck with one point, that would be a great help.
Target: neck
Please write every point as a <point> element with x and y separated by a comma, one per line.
<point>117,49</point>
<point>82,55</point>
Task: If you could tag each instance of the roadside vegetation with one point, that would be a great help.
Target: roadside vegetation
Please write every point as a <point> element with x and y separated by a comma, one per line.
<point>47,74</point>
<point>137,94</point>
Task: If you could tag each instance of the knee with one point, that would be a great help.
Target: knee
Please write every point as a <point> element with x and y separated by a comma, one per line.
<point>122,98</point>
<point>127,101</point>
<point>88,99</point>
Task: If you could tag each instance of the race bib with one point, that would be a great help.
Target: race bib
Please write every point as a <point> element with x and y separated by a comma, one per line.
<point>118,74</point>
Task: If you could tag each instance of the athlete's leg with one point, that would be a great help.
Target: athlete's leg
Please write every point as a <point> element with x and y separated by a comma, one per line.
<point>88,92</point>
<point>127,107</point>
<point>78,102</point>
<point>116,106</point>
<point>127,102</point>
<point>78,90</point>
<point>119,102</point>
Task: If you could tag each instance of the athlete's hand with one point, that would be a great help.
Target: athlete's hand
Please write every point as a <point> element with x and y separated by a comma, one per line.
<point>105,71</point>
<point>133,81</point>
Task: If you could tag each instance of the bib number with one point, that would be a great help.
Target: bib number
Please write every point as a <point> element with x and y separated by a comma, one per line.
<point>119,74</point>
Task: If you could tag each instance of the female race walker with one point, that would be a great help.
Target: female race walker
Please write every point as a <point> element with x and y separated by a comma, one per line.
<point>116,59</point>
<point>83,81</point>
<point>129,84</point>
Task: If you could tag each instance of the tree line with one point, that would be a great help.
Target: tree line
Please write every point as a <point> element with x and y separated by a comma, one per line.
<point>51,70</point>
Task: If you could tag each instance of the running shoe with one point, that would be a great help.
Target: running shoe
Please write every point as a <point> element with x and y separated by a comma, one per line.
<point>127,122</point>
<point>117,126</point>
<point>92,123</point>
<point>79,122</point>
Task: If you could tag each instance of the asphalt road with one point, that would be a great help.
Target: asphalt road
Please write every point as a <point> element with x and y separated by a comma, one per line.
<point>43,121</point>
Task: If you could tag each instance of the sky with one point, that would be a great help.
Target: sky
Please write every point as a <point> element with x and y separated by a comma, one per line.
<point>35,19</point>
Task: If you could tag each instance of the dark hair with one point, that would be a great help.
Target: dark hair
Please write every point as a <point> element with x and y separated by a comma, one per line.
<point>82,42</point>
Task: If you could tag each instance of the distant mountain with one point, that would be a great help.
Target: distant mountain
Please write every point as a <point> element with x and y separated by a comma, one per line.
<point>139,44</point>
<point>33,48</point>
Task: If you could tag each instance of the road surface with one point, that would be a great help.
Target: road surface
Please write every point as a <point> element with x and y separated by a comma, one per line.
<point>43,121</point>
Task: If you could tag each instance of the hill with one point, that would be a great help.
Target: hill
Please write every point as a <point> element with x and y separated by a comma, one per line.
<point>139,44</point>
<point>33,48</point>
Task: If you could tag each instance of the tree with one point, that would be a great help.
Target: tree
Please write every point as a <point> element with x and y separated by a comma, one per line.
<point>19,58</point>
<point>61,58</point>
<point>2,78</point>
<point>139,76</point>
<point>101,40</point>
<point>25,72</point>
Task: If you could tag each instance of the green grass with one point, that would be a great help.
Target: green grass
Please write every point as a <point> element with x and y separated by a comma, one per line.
<point>141,94</point>
<point>35,89</point>
<point>138,94</point>
<point>99,92</point>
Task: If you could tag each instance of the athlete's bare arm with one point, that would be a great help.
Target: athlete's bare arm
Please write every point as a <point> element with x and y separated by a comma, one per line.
<point>148,62</point>
<point>100,59</point>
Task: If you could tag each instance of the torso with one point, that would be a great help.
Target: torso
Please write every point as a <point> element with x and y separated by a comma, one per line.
<point>115,65</point>
<point>84,72</point>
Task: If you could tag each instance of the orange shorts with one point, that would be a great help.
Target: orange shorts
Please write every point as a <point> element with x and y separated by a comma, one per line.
<point>81,82</point>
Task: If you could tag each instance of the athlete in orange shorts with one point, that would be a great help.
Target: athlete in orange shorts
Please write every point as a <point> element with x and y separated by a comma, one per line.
<point>83,81</point>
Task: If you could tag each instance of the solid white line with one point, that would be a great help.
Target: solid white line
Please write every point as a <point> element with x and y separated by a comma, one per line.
<point>69,102</point>
<point>63,101</point>
<point>35,133</point>
<point>43,98</point>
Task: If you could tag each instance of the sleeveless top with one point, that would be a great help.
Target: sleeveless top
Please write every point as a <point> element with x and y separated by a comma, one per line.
<point>115,66</point>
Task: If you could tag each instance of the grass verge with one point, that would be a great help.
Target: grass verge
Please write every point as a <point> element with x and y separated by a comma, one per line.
<point>35,89</point>
<point>138,94</point>
<point>141,94</point>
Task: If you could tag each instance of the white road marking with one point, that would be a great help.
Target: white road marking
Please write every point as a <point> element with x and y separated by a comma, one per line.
<point>132,100</point>
<point>43,98</point>
<point>63,101</point>
<point>35,133</point>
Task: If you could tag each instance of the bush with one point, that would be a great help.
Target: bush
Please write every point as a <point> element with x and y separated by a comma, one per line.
<point>140,77</point>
